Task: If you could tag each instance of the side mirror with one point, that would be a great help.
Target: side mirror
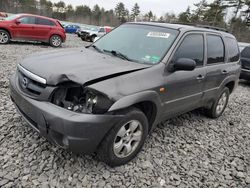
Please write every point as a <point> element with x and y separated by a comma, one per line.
<point>184,64</point>
<point>18,22</point>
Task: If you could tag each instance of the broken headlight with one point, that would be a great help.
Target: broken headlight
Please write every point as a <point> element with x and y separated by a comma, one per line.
<point>81,100</point>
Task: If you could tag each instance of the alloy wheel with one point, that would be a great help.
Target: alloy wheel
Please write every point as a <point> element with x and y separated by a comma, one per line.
<point>221,103</point>
<point>127,139</point>
<point>3,37</point>
<point>56,41</point>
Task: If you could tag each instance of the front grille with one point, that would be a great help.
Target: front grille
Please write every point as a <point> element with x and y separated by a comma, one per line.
<point>29,85</point>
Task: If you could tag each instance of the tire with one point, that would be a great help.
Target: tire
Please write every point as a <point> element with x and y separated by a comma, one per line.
<point>92,38</point>
<point>55,41</point>
<point>4,37</point>
<point>219,105</point>
<point>130,133</point>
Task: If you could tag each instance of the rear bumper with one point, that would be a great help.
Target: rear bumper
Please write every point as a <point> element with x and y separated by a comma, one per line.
<point>80,133</point>
<point>245,74</point>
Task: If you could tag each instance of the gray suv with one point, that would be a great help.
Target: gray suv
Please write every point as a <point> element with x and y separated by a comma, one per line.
<point>107,97</point>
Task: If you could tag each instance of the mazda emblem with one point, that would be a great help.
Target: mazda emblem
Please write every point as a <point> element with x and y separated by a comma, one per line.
<point>25,82</point>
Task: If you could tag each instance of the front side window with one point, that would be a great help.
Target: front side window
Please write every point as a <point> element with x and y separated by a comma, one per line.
<point>140,43</point>
<point>28,20</point>
<point>192,47</point>
<point>215,49</point>
<point>42,21</point>
<point>233,50</point>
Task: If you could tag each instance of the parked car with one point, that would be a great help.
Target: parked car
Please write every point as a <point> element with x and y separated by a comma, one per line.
<point>32,28</point>
<point>245,61</point>
<point>94,32</point>
<point>82,29</point>
<point>106,98</point>
<point>3,15</point>
<point>71,28</point>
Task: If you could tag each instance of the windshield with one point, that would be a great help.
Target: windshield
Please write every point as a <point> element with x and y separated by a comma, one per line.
<point>12,17</point>
<point>139,43</point>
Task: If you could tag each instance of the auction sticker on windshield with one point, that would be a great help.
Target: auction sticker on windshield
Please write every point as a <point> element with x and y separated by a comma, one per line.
<point>158,35</point>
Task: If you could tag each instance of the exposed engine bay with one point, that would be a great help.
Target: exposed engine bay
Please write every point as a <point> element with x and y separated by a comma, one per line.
<point>78,99</point>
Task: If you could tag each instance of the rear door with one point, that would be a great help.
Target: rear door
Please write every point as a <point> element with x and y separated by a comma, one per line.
<point>24,30</point>
<point>217,68</point>
<point>43,28</point>
<point>184,89</point>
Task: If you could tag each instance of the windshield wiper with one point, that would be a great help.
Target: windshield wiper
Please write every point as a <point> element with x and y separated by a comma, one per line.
<point>95,47</point>
<point>118,54</point>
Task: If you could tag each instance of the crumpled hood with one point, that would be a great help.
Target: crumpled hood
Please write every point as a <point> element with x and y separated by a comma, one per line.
<point>79,65</point>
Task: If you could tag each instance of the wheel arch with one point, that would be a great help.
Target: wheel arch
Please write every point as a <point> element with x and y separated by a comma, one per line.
<point>148,102</point>
<point>6,31</point>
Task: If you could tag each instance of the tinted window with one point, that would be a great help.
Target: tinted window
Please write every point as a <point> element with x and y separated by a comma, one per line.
<point>215,49</point>
<point>233,50</point>
<point>41,21</point>
<point>28,20</point>
<point>246,52</point>
<point>192,47</point>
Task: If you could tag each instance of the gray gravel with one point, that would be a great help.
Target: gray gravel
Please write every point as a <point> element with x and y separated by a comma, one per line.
<point>188,151</point>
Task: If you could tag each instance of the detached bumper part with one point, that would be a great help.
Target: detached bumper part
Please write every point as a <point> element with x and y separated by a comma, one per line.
<point>79,133</point>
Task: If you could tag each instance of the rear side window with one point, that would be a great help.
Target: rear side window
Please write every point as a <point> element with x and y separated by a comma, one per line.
<point>41,21</point>
<point>233,50</point>
<point>192,47</point>
<point>28,20</point>
<point>246,52</point>
<point>215,49</point>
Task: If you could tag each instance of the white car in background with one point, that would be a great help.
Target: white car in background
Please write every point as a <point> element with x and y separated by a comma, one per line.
<point>92,34</point>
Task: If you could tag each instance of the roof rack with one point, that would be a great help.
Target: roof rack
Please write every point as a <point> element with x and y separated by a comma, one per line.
<point>205,26</point>
<point>212,27</point>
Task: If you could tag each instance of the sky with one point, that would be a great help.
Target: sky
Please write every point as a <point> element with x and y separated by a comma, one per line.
<point>158,7</point>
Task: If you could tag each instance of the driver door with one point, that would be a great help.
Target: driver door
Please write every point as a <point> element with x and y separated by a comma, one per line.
<point>184,89</point>
<point>25,29</point>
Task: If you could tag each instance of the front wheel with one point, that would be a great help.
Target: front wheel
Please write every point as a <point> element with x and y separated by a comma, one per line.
<point>125,139</point>
<point>219,105</point>
<point>4,37</point>
<point>92,38</point>
<point>55,41</point>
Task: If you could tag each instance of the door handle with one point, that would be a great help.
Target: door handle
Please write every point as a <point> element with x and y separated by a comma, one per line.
<point>200,77</point>
<point>224,72</point>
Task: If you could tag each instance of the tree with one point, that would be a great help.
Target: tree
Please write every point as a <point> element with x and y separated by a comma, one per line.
<point>120,12</point>
<point>135,12</point>
<point>215,13</point>
<point>185,17</point>
<point>198,13</point>
<point>96,14</point>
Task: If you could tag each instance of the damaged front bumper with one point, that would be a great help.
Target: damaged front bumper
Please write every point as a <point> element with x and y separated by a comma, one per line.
<point>80,133</point>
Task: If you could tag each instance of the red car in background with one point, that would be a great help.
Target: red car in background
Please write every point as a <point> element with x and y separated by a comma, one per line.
<point>32,28</point>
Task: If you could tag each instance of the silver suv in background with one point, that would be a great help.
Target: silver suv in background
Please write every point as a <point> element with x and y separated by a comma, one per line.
<point>92,34</point>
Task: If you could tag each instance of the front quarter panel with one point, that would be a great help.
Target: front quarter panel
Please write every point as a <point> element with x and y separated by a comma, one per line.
<point>132,88</point>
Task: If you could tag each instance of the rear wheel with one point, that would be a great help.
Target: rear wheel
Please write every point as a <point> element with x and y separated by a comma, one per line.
<point>125,139</point>
<point>219,105</point>
<point>55,41</point>
<point>4,37</point>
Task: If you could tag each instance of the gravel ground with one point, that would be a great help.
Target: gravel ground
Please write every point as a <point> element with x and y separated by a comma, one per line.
<point>188,151</point>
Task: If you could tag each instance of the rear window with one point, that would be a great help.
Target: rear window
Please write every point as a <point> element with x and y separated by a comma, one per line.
<point>215,49</point>
<point>42,21</point>
<point>233,49</point>
<point>246,52</point>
